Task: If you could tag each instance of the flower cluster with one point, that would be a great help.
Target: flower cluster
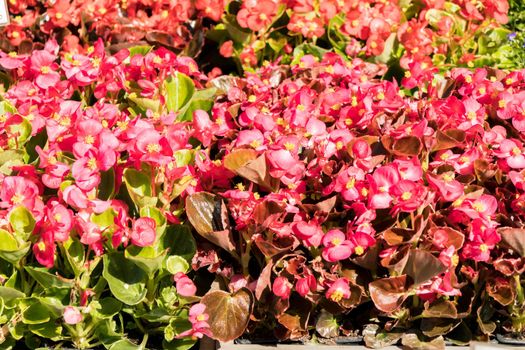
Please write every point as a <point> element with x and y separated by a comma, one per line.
<point>416,36</point>
<point>349,193</point>
<point>76,21</point>
<point>74,152</point>
<point>364,176</point>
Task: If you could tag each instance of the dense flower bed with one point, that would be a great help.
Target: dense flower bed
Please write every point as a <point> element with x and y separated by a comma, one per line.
<point>398,33</point>
<point>355,203</point>
<point>90,253</point>
<point>363,176</point>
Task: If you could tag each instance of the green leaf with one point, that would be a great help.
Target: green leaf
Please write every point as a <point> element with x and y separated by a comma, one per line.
<point>238,34</point>
<point>15,256</point>
<point>180,241</point>
<point>9,295</point>
<point>47,280</point>
<point>144,103</point>
<point>22,222</point>
<point>106,307</point>
<point>184,157</point>
<point>106,189</point>
<point>175,264</point>
<point>305,49</point>
<point>388,50</point>
<point>105,332</point>
<point>11,158</point>
<point>140,50</point>
<point>156,315</point>
<point>124,344</point>
<point>36,314</point>
<point>8,243</point>
<point>147,258</point>
<point>126,280</point>
<point>39,139</point>
<point>202,99</point>
<point>326,325</point>
<point>139,188</point>
<point>47,330</point>
<point>19,133</point>
<point>176,326</point>
<point>75,254</point>
<point>6,107</point>
<point>179,89</point>
<point>105,219</point>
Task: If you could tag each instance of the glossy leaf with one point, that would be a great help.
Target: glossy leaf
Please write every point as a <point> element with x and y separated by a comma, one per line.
<point>22,222</point>
<point>422,266</point>
<point>126,280</point>
<point>389,293</point>
<point>179,240</point>
<point>229,313</point>
<point>206,213</point>
<point>8,243</point>
<point>326,325</point>
<point>513,238</point>
<point>179,89</point>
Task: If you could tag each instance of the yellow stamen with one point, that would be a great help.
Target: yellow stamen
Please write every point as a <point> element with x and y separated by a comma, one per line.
<point>153,147</point>
<point>406,196</point>
<point>337,295</point>
<point>351,183</point>
<point>478,206</point>
<point>17,198</point>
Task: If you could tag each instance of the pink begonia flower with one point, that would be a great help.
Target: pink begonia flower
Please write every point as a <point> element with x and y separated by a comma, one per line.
<point>85,171</point>
<point>72,315</point>
<point>449,188</point>
<point>45,69</point>
<point>237,282</point>
<point>285,166</point>
<point>143,232</point>
<point>59,220</point>
<point>310,232</point>
<point>481,242</point>
<point>484,207</point>
<point>199,325</point>
<point>349,183</point>
<point>256,15</point>
<point>252,138</point>
<point>315,127</point>
<point>153,147</point>
<point>339,290</point>
<point>44,250</point>
<point>204,127</point>
<point>512,152</point>
<point>282,287</point>
<point>305,285</point>
<point>336,246</point>
<point>409,169</point>
<point>75,197</point>
<point>380,183</point>
<point>361,242</point>
<point>17,190</point>
<point>184,285</point>
<point>408,195</point>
